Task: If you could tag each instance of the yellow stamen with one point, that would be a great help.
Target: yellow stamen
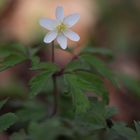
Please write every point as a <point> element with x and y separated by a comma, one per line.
<point>61,27</point>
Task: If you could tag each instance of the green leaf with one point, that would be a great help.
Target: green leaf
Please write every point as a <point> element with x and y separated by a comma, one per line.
<point>137,126</point>
<point>12,49</point>
<point>124,131</point>
<point>80,99</point>
<point>98,112</point>
<point>34,51</point>
<point>103,51</point>
<point>38,82</point>
<point>110,111</point>
<point>12,54</point>
<point>94,118</point>
<point>49,130</point>
<point>74,65</point>
<point>44,66</point>
<point>11,60</point>
<point>90,82</point>
<point>35,61</point>
<point>100,67</point>
<point>7,120</point>
<point>37,65</point>
<point>132,84</point>
<point>93,84</point>
<point>32,110</point>
<point>2,103</point>
<point>21,135</point>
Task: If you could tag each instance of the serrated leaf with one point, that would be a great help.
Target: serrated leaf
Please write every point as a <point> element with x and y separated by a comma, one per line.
<point>35,61</point>
<point>32,110</point>
<point>74,65</point>
<point>103,51</point>
<point>137,126</point>
<point>2,103</point>
<point>44,66</point>
<point>80,99</point>
<point>11,61</point>
<point>132,84</point>
<point>38,82</point>
<point>110,111</point>
<point>49,130</point>
<point>7,120</point>
<point>100,67</point>
<point>34,51</point>
<point>94,117</point>
<point>99,112</point>
<point>37,65</point>
<point>90,82</point>
<point>21,135</point>
<point>124,131</point>
<point>94,84</point>
<point>12,49</point>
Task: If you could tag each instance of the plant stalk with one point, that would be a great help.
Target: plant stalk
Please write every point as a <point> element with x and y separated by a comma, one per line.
<point>55,87</point>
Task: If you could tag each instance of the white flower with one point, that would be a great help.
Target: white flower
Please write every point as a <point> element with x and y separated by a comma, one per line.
<point>59,28</point>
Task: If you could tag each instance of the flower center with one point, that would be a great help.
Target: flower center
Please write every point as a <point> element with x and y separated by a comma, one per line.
<point>61,27</point>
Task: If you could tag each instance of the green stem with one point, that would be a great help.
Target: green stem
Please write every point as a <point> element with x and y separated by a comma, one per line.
<point>55,87</point>
<point>53,56</point>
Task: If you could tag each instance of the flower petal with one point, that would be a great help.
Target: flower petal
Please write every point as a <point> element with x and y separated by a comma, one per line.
<point>50,36</point>
<point>47,23</point>
<point>72,35</point>
<point>71,19</point>
<point>59,13</point>
<point>62,40</point>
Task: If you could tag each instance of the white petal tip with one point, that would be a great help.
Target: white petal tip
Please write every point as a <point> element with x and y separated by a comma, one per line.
<point>72,35</point>
<point>72,19</point>
<point>63,47</point>
<point>78,38</point>
<point>46,41</point>
<point>59,13</point>
<point>41,22</point>
<point>62,41</point>
<point>78,16</point>
<point>50,37</point>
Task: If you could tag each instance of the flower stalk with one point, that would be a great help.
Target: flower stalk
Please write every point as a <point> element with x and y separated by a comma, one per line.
<point>53,56</point>
<point>59,30</point>
<point>55,110</point>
